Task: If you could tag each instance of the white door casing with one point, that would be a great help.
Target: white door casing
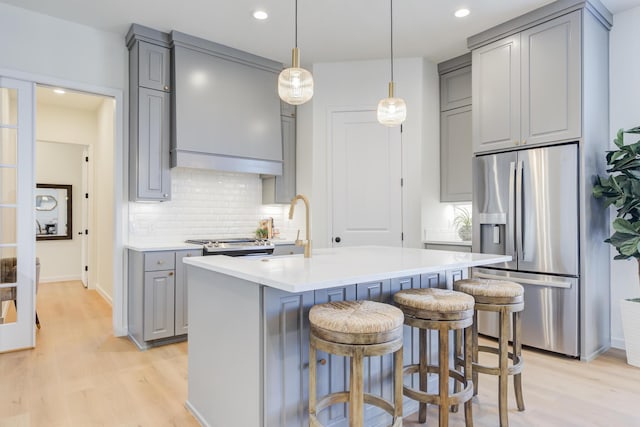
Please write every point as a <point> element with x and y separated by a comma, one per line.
<point>17,210</point>
<point>366,180</point>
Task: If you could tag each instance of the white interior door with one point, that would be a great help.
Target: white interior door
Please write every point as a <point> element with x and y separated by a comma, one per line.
<point>366,188</point>
<point>17,217</point>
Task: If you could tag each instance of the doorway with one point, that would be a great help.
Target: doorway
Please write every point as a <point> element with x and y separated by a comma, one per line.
<point>367,180</point>
<point>74,144</point>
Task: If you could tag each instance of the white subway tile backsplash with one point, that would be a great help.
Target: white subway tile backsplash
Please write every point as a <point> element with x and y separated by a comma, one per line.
<point>208,204</point>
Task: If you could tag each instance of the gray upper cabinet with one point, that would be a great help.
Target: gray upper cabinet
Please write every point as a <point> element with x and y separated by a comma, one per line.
<point>455,89</point>
<point>154,67</point>
<point>282,188</point>
<point>149,159</point>
<point>551,81</point>
<point>527,87</point>
<point>149,115</point>
<point>455,129</point>
<point>496,95</point>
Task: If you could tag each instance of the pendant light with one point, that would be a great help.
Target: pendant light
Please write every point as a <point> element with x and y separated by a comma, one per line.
<point>295,84</point>
<point>392,111</point>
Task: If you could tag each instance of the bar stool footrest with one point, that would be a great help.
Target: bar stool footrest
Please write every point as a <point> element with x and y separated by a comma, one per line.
<point>343,397</point>
<point>421,396</point>
<point>515,368</point>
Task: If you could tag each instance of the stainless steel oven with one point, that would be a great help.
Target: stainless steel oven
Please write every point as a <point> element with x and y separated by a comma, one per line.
<point>234,246</point>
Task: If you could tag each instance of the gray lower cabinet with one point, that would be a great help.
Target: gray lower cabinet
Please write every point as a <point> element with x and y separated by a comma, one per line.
<point>286,357</point>
<point>157,305</point>
<point>287,352</point>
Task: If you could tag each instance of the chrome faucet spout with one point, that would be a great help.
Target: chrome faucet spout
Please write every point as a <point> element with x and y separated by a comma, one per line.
<point>307,242</point>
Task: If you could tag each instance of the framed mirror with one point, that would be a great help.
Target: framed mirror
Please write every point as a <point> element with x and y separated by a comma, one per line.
<point>53,212</point>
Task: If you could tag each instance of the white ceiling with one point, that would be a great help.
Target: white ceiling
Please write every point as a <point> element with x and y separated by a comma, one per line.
<point>328,30</point>
<point>70,99</point>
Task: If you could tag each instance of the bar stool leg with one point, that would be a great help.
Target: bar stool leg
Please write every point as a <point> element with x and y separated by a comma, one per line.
<point>503,378</point>
<point>468,350</point>
<point>517,355</point>
<point>397,383</point>
<point>475,351</point>
<point>422,373</point>
<point>457,357</point>
<point>443,381</point>
<point>356,391</point>
<point>312,381</point>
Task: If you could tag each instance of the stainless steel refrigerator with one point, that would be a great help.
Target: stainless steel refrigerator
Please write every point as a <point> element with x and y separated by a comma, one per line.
<point>525,204</point>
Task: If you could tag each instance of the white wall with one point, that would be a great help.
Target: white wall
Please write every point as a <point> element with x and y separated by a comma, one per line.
<point>363,84</point>
<point>59,163</point>
<point>102,212</point>
<point>47,46</point>
<point>69,130</point>
<point>624,113</point>
<point>208,204</point>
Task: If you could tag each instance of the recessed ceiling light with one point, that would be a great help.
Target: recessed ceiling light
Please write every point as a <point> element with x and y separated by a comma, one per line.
<point>59,91</point>
<point>260,15</point>
<point>461,13</point>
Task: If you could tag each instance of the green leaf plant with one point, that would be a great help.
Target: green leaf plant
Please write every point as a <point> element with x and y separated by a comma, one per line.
<point>621,189</point>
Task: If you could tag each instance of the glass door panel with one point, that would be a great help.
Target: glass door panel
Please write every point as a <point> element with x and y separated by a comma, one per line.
<point>17,218</point>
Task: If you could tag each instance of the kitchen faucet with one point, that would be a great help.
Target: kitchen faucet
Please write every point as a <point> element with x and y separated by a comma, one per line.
<point>307,243</point>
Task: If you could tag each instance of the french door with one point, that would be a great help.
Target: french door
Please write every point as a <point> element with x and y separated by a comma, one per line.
<point>17,217</point>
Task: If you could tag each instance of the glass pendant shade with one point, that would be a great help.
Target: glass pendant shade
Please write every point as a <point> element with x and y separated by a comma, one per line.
<point>295,84</point>
<point>392,111</point>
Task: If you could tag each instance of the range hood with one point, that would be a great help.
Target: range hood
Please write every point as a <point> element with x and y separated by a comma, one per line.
<point>226,109</point>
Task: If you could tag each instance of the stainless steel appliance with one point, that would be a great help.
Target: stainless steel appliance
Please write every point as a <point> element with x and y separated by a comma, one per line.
<point>526,205</point>
<point>234,246</point>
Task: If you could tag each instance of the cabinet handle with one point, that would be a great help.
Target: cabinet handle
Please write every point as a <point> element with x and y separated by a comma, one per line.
<point>322,362</point>
<point>160,262</point>
<point>515,142</point>
<point>165,195</point>
<point>188,255</point>
<point>166,88</point>
<point>171,273</point>
<point>524,141</point>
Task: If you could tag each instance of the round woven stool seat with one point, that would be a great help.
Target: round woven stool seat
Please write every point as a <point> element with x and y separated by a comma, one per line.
<point>362,322</point>
<point>491,291</point>
<point>421,302</point>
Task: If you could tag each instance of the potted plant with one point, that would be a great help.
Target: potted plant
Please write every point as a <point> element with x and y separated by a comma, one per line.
<point>621,188</point>
<point>462,223</point>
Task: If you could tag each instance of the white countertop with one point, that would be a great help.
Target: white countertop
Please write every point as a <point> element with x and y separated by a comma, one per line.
<point>331,267</point>
<point>165,246</point>
<point>448,242</point>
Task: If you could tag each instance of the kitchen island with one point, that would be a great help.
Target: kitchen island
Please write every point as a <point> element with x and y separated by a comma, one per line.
<point>248,327</point>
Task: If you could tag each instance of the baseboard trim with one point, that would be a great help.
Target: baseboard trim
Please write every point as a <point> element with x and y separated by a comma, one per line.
<point>59,279</point>
<point>196,414</point>
<point>104,294</point>
<point>618,343</point>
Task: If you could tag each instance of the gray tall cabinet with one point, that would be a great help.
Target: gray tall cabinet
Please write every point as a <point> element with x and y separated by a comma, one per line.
<point>455,129</point>
<point>149,114</point>
<point>543,79</point>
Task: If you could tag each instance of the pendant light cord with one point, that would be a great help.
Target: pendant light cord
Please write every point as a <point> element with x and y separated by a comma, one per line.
<point>296,24</point>
<point>390,38</point>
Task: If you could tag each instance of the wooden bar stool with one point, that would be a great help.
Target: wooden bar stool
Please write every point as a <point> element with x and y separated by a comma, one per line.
<point>503,297</point>
<point>441,310</point>
<point>356,329</point>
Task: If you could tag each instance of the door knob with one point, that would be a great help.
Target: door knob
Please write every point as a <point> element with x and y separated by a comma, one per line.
<point>337,239</point>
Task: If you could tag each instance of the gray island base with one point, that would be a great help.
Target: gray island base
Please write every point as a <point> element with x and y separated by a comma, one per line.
<point>249,338</point>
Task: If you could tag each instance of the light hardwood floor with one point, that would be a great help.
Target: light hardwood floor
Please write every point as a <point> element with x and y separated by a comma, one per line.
<point>80,375</point>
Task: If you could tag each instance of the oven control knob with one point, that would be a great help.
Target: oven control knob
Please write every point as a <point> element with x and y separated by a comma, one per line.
<point>216,244</point>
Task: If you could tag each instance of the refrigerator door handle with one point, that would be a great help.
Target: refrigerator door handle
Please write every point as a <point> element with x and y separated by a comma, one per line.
<point>510,225</point>
<point>520,210</point>
<point>551,283</point>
